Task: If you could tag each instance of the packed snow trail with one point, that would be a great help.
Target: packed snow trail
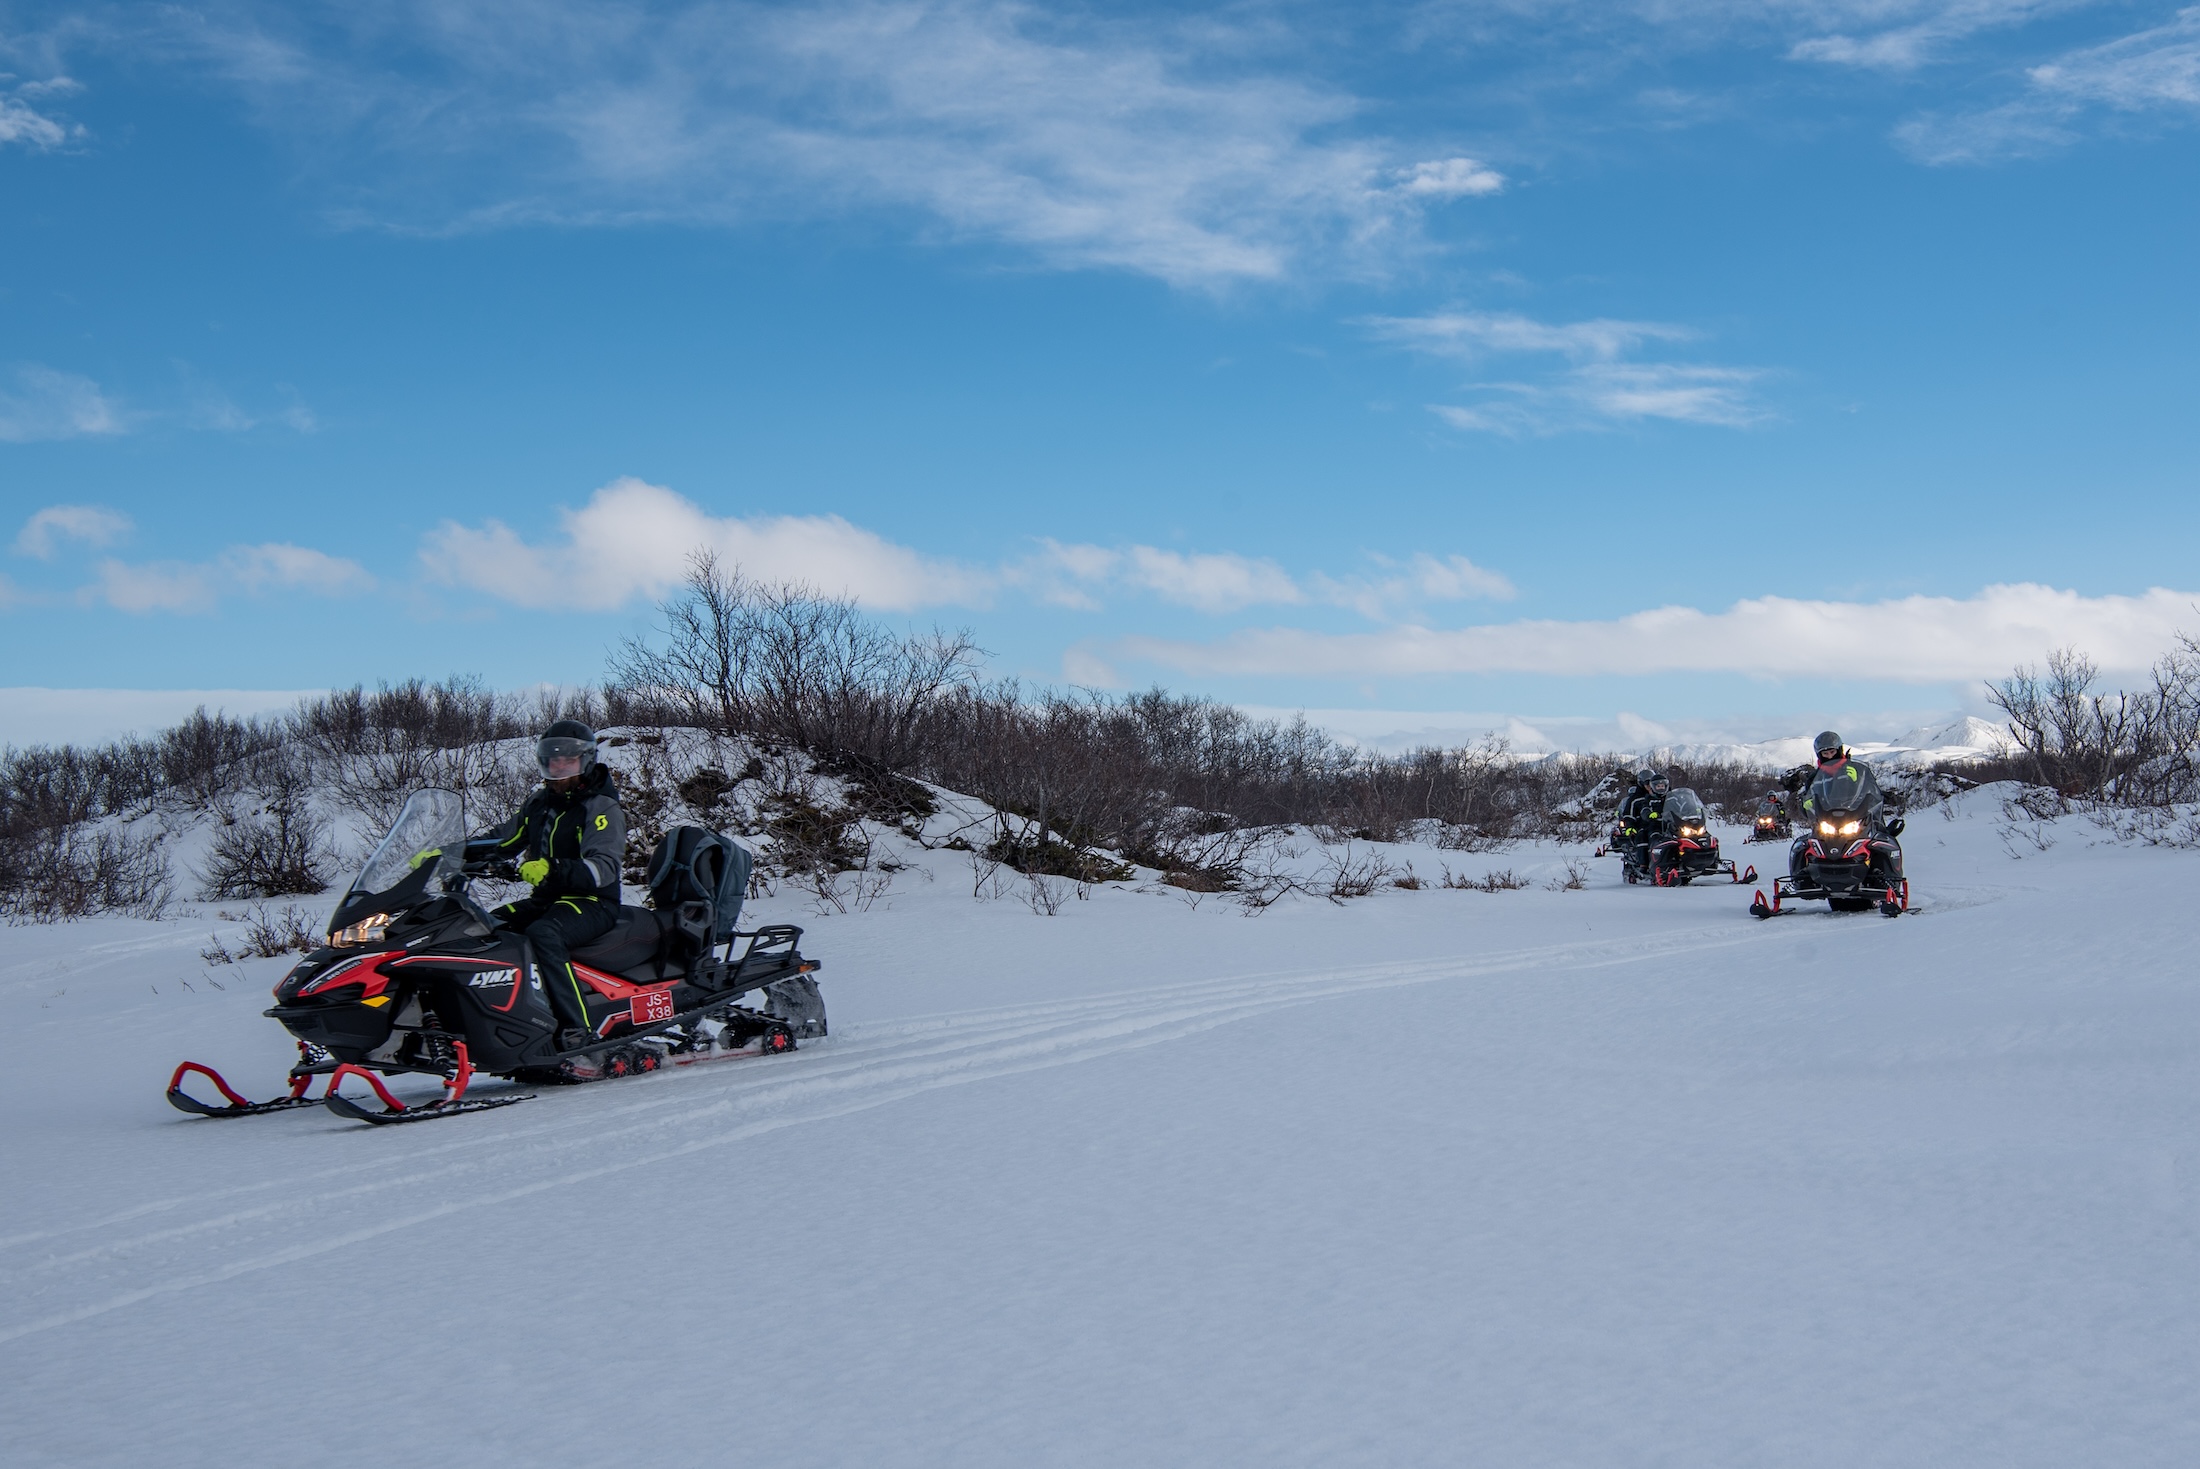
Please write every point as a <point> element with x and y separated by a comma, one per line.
<point>1533,1178</point>
<point>642,1129</point>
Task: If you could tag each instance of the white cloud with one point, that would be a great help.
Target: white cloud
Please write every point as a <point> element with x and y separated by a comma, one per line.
<point>1670,390</point>
<point>1154,146</point>
<point>48,404</point>
<point>1219,582</point>
<point>1596,388</point>
<point>1450,178</point>
<point>1476,334</point>
<point>20,122</point>
<point>197,586</point>
<point>2152,73</point>
<point>1910,639</point>
<point>1924,31</point>
<point>1209,582</point>
<point>633,539</point>
<point>94,525</point>
<point>2145,70</point>
<point>1422,578</point>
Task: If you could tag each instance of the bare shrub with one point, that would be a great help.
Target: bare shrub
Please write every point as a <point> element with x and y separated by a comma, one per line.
<point>1353,873</point>
<point>1576,878</point>
<point>280,849</point>
<point>1504,880</point>
<point>788,665</point>
<point>47,876</point>
<point>1045,895</point>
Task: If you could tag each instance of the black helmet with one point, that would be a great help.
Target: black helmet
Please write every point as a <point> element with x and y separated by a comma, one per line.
<point>1828,745</point>
<point>566,740</point>
<point>1644,776</point>
<point>1658,783</point>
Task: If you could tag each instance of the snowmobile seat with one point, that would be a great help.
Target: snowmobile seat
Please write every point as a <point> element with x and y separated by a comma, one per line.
<point>634,944</point>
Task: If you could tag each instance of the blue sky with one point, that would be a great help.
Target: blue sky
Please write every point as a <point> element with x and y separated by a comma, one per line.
<point>1728,365</point>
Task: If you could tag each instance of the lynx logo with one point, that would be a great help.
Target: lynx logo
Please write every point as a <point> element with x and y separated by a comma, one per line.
<point>493,979</point>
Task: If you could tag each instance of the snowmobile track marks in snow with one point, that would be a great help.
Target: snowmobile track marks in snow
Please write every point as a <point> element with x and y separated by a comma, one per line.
<point>585,1140</point>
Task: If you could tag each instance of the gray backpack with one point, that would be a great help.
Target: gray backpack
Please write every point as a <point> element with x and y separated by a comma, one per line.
<point>697,879</point>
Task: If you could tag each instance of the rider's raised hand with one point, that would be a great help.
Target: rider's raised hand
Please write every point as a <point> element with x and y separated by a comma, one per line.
<point>423,856</point>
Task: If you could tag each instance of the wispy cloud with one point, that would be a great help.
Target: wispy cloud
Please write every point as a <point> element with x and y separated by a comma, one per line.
<point>1903,35</point>
<point>1221,582</point>
<point>93,525</point>
<point>1595,388</point>
<point>45,403</point>
<point>2152,74</point>
<point>1910,639</point>
<point>1157,147</point>
<point>199,586</point>
<point>633,539</point>
<point>23,124</point>
<point>38,402</point>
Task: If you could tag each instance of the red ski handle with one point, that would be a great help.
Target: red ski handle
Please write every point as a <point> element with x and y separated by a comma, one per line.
<point>336,1077</point>
<point>175,1083</point>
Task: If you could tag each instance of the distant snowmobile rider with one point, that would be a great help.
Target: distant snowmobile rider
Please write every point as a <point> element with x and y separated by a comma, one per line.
<point>1647,809</point>
<point>571,835</point>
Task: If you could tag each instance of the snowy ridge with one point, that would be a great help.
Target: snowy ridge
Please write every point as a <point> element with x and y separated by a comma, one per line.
<point>1963,738</point>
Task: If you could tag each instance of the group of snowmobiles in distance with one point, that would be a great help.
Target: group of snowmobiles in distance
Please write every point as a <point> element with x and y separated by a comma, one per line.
<point>1845,854</point>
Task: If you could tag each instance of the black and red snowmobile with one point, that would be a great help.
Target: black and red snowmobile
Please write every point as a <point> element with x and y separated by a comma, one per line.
<point>1771,823</point>
<point>1680,847</point>
<point>1850,859</point>
<point>419,978</point>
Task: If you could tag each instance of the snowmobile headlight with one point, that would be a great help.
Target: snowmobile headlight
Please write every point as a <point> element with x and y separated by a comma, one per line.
<point>1692,831</point>
<point>1851,828</point>
<point>368,930</point>
<point>1826,829</point>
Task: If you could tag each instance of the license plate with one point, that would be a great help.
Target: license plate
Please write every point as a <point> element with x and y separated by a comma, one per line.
<point>650,1006</point>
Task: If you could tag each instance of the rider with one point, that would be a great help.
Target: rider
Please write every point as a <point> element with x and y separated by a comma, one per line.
<point>1840,782</point>
<point>571,835</point>
<point>1839,771</point>
<point>1643,812</point>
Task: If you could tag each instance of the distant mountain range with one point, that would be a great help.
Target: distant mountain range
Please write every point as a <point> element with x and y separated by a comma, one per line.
<point>1963,738</point>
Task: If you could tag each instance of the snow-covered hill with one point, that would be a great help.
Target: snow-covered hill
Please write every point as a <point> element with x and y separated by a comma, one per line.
<point>1524,1177</point>
<point>1964,737</point>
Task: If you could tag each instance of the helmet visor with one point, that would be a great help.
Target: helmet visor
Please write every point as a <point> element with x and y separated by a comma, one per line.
<point>563,757</point>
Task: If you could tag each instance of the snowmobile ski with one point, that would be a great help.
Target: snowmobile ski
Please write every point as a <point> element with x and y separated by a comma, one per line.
<point>237,1105</point>
<point>453,1102</point>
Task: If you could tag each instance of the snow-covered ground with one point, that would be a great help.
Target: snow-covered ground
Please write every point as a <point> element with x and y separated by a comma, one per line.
<point>1534,1177</point>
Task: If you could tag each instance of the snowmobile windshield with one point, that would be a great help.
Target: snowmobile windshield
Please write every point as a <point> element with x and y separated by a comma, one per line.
<point>1837,792</point>
<point>431,820</point>
<point>1683,805</point>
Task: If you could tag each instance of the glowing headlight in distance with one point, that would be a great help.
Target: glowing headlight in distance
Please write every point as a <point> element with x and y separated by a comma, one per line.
<point>368,930</point>
<point>1691,831</point>
<point>1851,828</point>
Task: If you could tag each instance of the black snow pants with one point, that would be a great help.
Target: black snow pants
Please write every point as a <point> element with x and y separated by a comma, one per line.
<point>556,927</point>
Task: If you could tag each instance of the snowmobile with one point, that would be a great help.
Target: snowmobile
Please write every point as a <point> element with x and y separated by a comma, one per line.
<point>1680,848</point>
<point>417,977</point>
<point>1843,861</point>
<point>1771,823</point>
